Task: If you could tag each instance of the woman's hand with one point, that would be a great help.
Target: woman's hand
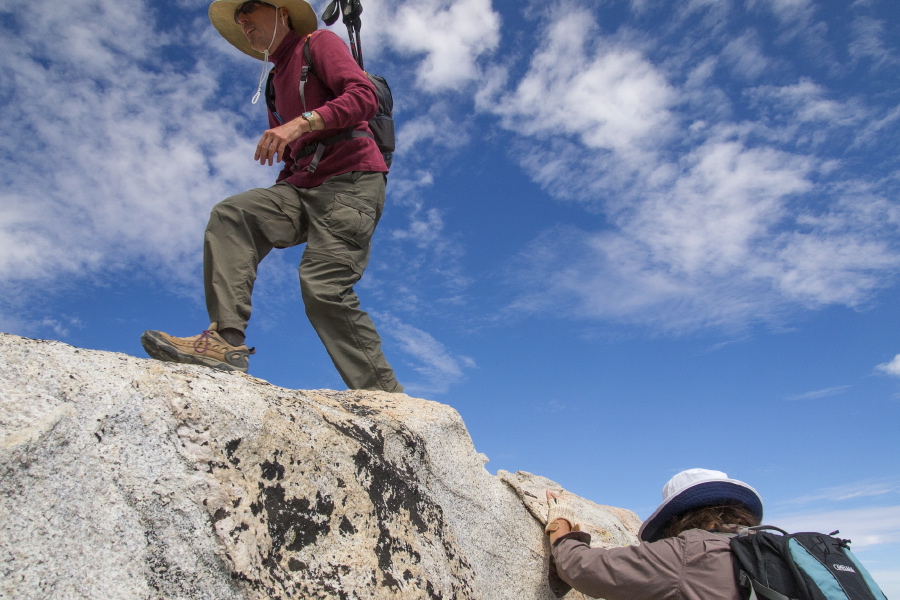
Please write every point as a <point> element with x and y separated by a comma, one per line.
<point>560,518</point>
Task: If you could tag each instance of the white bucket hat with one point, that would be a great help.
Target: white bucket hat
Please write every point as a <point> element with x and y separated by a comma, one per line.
<point>221,15</point>
<point>696,488</point>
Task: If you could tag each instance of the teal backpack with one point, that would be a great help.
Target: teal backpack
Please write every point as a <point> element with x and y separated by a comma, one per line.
<point>799,566</point>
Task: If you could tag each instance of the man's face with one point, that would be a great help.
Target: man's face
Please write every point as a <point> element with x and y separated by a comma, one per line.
<point>258,20</point>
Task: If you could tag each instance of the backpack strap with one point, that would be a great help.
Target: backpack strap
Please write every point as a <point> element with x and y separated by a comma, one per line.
<point>318,149</point>
<point>304,75</point>
<point>270,95</point>
<point>304,71</point>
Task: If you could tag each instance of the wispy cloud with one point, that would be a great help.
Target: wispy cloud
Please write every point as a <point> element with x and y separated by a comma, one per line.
<point>864,526</point>
<point>712,220</point>
<point>870,488</point>
<point>815,394</point>
<point>865,511</point>
<point>438,366</point>
<point>868,41</point>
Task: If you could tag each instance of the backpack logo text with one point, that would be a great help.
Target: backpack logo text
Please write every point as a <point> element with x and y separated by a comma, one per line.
<point>843,568</point>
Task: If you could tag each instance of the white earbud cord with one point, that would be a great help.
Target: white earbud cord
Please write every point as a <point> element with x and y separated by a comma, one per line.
<point>262,76</point>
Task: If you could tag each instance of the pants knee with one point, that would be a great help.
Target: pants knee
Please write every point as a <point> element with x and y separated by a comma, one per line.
<point>318,293</point>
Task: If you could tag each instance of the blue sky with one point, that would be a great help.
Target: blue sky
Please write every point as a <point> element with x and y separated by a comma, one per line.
<point>621,238</point>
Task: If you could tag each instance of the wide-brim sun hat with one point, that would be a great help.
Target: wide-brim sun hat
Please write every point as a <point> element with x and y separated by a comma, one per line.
<point>697,488</point>
<point>221,15</point>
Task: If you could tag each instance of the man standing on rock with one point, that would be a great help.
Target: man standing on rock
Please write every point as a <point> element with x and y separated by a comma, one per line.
<point>330,195</point>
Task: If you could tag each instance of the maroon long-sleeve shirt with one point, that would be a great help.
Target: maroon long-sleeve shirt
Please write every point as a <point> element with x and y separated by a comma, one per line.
<point>342,95</point>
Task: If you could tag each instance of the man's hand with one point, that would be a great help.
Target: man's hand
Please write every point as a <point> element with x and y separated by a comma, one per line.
<point>274,141</point>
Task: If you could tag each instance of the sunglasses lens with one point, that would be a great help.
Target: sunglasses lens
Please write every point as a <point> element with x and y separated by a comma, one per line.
<point>245,9</point>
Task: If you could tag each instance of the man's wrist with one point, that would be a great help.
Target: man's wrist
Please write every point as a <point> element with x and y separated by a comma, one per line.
<point>311,119</point>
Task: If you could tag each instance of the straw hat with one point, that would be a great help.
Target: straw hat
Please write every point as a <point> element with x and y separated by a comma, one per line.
<point>696,488</point>
<point>221,15</point>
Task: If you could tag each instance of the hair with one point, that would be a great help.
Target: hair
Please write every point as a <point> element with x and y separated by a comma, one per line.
<point>711,518</point>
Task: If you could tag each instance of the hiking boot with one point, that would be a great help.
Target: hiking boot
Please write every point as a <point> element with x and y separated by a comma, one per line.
<point>207,349</point>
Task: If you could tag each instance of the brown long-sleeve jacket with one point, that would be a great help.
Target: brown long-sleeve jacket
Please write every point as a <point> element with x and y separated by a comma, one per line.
<point>696,565</point>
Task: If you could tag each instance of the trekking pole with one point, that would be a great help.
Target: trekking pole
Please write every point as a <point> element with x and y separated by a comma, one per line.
<point>350,11</point>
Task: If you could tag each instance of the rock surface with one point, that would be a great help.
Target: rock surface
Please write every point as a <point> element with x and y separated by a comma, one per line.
<point>129,478</point>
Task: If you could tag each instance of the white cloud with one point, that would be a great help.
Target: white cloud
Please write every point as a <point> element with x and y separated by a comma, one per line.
<point>803,113</point>
<point>709,247</point>
<point>891,367</point>
<point>452,34</point>
<point>746,56</point>
<point>431,130</point>
<point>868,41</point>
<point>108,161</point>
<point>710,220</point>
<point>425,228</point>
<point>609,97</point>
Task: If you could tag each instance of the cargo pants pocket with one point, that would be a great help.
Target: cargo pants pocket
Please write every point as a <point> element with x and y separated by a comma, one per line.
<point>352,219</point>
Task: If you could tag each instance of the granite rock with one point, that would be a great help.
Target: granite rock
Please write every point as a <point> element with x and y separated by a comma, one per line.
<point>129,478</point>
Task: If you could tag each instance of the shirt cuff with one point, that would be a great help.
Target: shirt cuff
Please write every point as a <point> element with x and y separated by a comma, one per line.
<point>582,536</point>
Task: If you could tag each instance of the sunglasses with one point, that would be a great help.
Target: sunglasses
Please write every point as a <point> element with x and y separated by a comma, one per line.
<point>248,7</point>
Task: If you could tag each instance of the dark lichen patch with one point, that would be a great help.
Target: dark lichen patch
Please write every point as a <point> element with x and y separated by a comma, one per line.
<point>346,527</point>
<point>297,565</point>
<point>389,490</point>
<point>213,464</point>
<point>236,532</point>
<point>358,409</point>
<point>295,523</point>
<point>388,580</point>
<point>230,448</point>
<point>272,470</point>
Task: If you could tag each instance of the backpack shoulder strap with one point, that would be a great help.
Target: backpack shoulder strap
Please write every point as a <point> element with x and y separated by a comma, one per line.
<point>305,70</point>
<point>304,75</point>
<point>270,95</point>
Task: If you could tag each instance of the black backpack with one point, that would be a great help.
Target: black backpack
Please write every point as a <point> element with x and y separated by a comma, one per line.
<point>799,566</point>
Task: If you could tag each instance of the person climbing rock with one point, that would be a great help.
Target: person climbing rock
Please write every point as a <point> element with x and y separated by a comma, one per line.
<point>685,553</point>
<point>329,195</point>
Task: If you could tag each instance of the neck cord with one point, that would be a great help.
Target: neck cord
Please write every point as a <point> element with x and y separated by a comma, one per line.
<point>265,68</point>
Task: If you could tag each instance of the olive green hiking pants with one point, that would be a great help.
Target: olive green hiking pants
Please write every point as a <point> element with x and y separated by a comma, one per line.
<point>336,220</point>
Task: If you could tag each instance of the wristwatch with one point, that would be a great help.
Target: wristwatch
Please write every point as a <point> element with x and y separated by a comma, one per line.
<point>310,118</point>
